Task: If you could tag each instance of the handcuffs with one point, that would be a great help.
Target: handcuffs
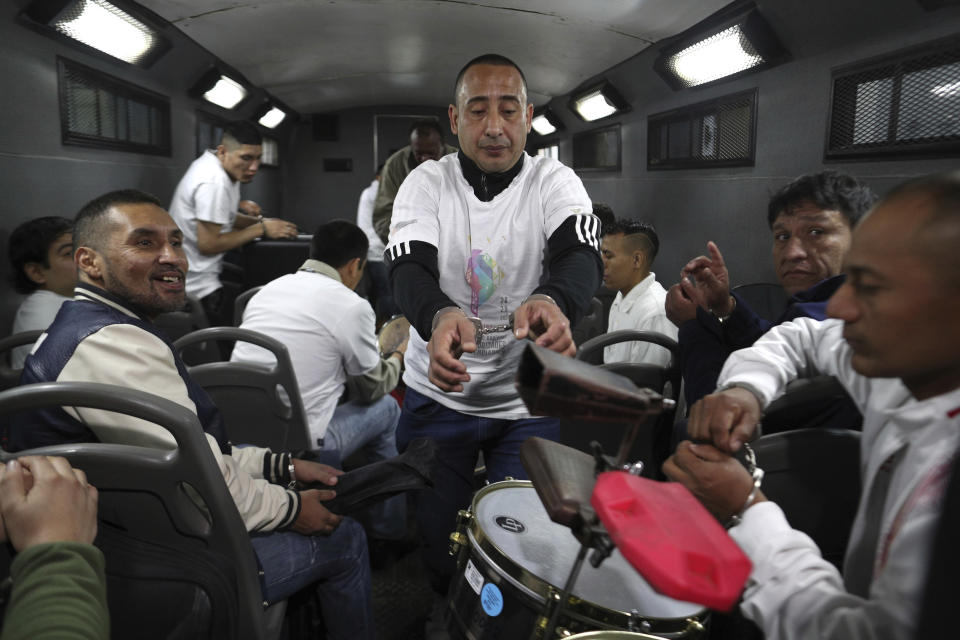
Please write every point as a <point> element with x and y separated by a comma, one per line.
<point>481,330</point>
<point>477,323</point>
<point>750,462</point>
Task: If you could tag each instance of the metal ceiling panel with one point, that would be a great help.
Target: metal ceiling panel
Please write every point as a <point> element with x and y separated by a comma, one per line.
<point>320,55</point>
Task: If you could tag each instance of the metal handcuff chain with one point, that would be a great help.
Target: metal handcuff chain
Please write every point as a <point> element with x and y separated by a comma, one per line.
<point>750,462</point>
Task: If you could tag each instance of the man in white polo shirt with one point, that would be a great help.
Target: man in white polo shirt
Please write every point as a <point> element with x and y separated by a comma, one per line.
<point>206,206</point>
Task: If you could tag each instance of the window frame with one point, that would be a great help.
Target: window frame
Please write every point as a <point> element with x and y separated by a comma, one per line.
<point>895,66</point>
<point>118,88</point>
<point>696,111</point>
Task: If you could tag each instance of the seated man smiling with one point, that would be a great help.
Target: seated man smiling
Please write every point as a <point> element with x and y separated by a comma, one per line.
<point>131,268</point>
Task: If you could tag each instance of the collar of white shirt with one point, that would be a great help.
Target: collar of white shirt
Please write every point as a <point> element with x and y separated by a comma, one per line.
<point>635,294</point>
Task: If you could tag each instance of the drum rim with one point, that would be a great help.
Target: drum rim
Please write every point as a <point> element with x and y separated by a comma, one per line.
<point>600,634</point>
<point>579,607</point>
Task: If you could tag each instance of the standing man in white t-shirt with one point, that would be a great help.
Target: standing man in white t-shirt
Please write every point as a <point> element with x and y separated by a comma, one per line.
<point>628,249</point>
<point>467,239</point>
<point>206,206</point>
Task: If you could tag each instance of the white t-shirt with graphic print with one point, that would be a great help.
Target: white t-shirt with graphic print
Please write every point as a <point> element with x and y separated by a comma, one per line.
<point>490,258</point>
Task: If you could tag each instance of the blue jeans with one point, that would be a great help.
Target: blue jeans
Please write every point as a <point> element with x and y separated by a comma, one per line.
<point>373,428</point>
<point>337,564</point>
<point>460,438</point>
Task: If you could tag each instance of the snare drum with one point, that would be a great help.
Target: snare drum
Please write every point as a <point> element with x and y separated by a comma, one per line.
<point>514,559</point>
<point>392,334</point>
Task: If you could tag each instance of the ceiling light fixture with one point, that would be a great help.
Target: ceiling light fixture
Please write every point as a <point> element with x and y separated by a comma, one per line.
<point>219,88</point>
<point>726,45</point>
<point>272,118</point>
<point>100,25</point>
<point>545,122</point>
<point>598,102</point>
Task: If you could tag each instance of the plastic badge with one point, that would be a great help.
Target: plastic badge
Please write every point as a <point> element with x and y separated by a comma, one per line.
<point>671,539</point>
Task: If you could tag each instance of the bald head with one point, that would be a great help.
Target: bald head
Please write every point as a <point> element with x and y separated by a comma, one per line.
<point>900,301</point>
<point>930,207</point>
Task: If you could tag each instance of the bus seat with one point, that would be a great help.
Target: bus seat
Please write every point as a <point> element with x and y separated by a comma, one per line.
<point>260,405</point>
<point>766,299</point>
<point>241,303</point>
<point>176,324</point>
<point>174,569</point>
<point>814,475</point>
<point>591,324</point>
<point>10,377</point>
<point>812,402</point>
<point>652,445</point>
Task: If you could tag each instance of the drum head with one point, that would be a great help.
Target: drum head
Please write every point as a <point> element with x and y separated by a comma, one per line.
<point>513,518</point>
<point>612,635</point>
<point>392,334</point>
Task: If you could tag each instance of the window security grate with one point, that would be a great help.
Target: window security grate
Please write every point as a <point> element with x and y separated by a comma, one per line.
<point>98,110</point>
<point>716,133</point>
<point>597,149</point>
<point>904,104</point>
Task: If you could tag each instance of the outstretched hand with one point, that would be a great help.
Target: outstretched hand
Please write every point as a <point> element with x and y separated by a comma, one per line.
<point>712,279</point>
<point>542,321</point>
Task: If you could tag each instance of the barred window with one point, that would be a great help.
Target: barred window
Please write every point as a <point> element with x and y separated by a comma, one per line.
<point>597,150</point>
<point>902,104</point>
<point>271,153</point>
<point>99,110</point>
<point>715,133</point>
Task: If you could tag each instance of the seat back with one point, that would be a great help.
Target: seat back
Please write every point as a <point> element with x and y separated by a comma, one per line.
<point>814,475</point>
<point>819,401</point>
<point>176,324</point>
<point>260,405</point>
<point>591,324</point>
<point>241,303</point>
<point>766,299</point>
<point>10,377</point>
<point>174,570</point>
<point>653,443</point>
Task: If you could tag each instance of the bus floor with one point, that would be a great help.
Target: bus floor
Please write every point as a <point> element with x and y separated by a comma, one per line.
<point>402,597</point>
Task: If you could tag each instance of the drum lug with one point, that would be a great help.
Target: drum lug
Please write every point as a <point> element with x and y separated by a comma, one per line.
<point>540,628</point>
<point>637,624</point>
<point>458,539</point>
<point>694,628</point>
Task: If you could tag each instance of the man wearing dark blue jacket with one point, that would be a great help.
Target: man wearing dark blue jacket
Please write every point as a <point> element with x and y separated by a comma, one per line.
<point>811,219</point>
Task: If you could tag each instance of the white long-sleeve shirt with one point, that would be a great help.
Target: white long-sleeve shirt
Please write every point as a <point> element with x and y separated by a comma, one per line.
<point>792,592</point>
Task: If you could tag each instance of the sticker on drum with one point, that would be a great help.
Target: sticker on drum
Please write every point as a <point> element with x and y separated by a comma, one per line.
<point>474,577</point>
<point>491,599</point>
<point>547,550</point>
